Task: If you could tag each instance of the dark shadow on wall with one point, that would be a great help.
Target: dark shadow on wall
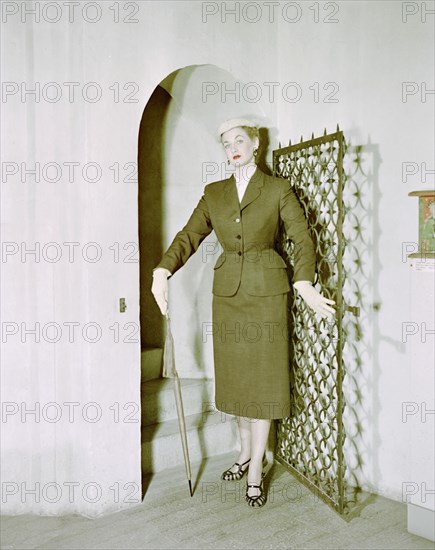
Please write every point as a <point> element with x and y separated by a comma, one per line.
<point>150,184</point>
<point>264,147</point>
<point>150,213</point>
<point>362,196</point>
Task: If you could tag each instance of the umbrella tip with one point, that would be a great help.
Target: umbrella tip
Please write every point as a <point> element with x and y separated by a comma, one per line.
<point>190,488</point>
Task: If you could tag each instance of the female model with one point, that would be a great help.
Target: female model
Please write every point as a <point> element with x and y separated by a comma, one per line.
<point>250,286</point>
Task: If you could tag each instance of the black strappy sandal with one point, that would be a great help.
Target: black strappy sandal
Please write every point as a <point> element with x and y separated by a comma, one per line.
<point>259,500</point>
<point>228,475</point>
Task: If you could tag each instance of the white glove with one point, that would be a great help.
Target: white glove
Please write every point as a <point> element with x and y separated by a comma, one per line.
<point>314,299</point>
<point>159,288</point>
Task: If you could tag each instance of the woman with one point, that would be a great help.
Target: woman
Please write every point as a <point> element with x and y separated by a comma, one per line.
<point>250,286</point>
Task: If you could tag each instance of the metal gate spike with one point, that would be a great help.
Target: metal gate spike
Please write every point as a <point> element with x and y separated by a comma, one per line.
<point>302,139</point>
<point>338,129</point>
<point>312,135</point>
<point>324,132</point>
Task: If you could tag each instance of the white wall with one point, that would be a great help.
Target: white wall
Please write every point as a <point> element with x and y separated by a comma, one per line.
<point>368,53</point>
<point>418,409</point>
<point>106,453</point>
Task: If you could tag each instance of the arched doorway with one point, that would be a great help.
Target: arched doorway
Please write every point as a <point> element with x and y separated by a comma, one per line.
<point>179,153</point>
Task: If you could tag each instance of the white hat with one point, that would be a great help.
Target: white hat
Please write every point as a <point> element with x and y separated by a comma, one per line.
<point>235,123</point>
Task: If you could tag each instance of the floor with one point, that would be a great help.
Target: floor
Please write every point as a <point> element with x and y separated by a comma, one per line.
<point>218,517</point>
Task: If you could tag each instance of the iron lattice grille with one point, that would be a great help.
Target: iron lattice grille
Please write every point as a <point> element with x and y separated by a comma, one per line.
<point>310,441</point>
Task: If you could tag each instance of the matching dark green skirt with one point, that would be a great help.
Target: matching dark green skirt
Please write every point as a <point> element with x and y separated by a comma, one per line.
<point>251,355</point>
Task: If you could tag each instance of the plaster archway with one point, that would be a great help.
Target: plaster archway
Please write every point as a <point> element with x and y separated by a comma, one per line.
<point>178,155</point>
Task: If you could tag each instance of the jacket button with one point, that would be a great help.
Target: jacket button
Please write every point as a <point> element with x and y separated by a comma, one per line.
<point>238,236</point>
<point>239,253</point>
<point>237,220</point>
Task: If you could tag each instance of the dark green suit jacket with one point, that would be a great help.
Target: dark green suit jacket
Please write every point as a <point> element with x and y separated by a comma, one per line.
<point>248,233</point>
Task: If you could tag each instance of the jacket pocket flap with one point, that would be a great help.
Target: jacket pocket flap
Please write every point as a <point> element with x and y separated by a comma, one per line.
<point>220,261</point>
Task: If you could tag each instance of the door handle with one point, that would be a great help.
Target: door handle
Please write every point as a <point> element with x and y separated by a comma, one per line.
<point>355,310</point>
<point>351,309</point>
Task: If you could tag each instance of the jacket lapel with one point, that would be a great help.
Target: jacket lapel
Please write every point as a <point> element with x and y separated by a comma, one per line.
<point>252,192</point>
<point>253,189</point>
<point>230,195</point>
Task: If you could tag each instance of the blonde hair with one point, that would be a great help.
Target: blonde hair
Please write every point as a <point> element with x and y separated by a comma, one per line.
<point>252,132</point>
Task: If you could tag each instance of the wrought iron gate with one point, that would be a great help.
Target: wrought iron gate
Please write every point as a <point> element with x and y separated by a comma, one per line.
<point>310,441</point>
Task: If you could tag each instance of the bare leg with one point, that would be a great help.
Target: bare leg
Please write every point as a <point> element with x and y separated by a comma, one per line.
<point>259,434</point>
<point>245,440</point>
